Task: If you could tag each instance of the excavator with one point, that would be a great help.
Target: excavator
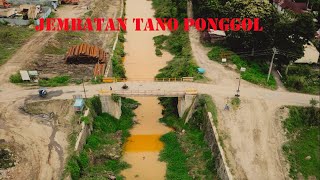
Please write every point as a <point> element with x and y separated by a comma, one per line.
<point>4,4</point>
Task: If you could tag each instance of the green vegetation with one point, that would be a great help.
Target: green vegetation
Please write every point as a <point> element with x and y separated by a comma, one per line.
<point>192,157</point>
<point>158,52</point>
<point>118,55</point>
<point>177,164</point>
<point>56,81</point>
<point>98,160</point>
<point>256,70</point>
<point>97,80</point>
<point>211,107</point>
<point>302,150</point>
<point>302,78</point>
<point>11,39</point>
<point>63,40</point>
<point>85,119</point>
<point>16,78</point>
<point>235,102</point>
<point>177,43</point>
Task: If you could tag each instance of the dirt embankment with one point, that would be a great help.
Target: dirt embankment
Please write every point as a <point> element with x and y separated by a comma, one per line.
<point>37,134</point>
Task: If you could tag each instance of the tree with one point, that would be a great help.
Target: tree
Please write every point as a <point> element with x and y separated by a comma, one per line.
<point>293,31</point>
<point>254,9</point>
<point>206,8</point>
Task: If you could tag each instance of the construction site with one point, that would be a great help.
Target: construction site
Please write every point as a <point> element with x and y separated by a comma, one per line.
<point>139,105</point>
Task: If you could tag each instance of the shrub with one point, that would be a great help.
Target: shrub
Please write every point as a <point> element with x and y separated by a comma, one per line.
<point>73,167</point>
<point>56,81</point>
<point>16,78</point>
<point>96,104</point>
<point>158,52</point>
<point>85,119</point>
<point>83,160</point>
<point>235,101</point>
<point>296,82</point>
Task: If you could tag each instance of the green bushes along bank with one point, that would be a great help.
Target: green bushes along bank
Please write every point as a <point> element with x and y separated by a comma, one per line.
<point>192,157</point>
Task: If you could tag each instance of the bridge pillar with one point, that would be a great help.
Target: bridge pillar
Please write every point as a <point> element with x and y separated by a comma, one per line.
<point>184,103</point>
<point>110,106</point>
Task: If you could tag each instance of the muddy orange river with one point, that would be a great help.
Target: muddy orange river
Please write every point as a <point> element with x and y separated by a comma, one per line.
<point>143,147</point>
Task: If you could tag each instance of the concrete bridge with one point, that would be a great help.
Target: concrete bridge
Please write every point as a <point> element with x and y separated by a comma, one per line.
<point>112,105</point>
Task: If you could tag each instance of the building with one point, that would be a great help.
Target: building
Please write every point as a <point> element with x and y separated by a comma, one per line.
<point>213,36</point>
<point>297,7</point>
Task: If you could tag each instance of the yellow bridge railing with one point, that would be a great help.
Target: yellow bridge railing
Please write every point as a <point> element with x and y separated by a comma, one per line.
<point>114,80</point>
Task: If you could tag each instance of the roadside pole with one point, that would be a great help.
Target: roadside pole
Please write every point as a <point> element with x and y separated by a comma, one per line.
<point>84,89</point>
<point>271,64</point>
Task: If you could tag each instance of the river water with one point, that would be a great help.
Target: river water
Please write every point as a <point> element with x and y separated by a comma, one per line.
<point>141,63</point>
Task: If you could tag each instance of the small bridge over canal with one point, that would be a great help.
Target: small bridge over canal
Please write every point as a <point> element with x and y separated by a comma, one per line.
<point>112,105</point>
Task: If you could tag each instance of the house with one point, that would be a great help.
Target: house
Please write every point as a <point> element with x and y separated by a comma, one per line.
<point>297,7</point>
<point>31,10</point>
<point>311,55</point>
<point>213,36</point>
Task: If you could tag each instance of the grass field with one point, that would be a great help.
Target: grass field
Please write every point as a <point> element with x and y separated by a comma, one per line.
<point>302,150</point>
<point>11,39</point>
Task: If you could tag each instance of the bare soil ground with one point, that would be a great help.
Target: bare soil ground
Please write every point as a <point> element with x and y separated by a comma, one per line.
<point>54,65</point>
<point>30,51</point>
<point>37,133</point>
<point>252,135</point>
<point>50,65</point>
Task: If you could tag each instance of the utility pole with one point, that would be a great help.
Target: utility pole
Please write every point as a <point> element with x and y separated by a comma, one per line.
<point>242,69</point>
<point>84,89</point>
<point>271,64</point>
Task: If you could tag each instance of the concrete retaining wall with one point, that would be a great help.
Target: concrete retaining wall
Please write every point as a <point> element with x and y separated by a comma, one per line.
<point>17,22</point>
<point>111,107</point>
<point>212,137</point>
<point>84,133</point>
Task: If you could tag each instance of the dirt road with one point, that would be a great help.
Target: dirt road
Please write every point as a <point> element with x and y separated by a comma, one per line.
<point>253,135</point>
<point>30,51</point>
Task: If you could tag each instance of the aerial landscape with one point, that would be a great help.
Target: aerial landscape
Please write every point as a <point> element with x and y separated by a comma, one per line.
<point>159,89</point>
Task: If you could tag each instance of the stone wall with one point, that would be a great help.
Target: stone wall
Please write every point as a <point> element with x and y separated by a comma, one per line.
<point>212,138</point>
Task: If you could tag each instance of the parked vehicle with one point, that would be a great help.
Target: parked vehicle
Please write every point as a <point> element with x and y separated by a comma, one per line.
<point>43,92</point>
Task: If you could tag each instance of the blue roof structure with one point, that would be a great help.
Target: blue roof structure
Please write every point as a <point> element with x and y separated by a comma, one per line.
<point>78,103</point>
<point>201,70</point>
